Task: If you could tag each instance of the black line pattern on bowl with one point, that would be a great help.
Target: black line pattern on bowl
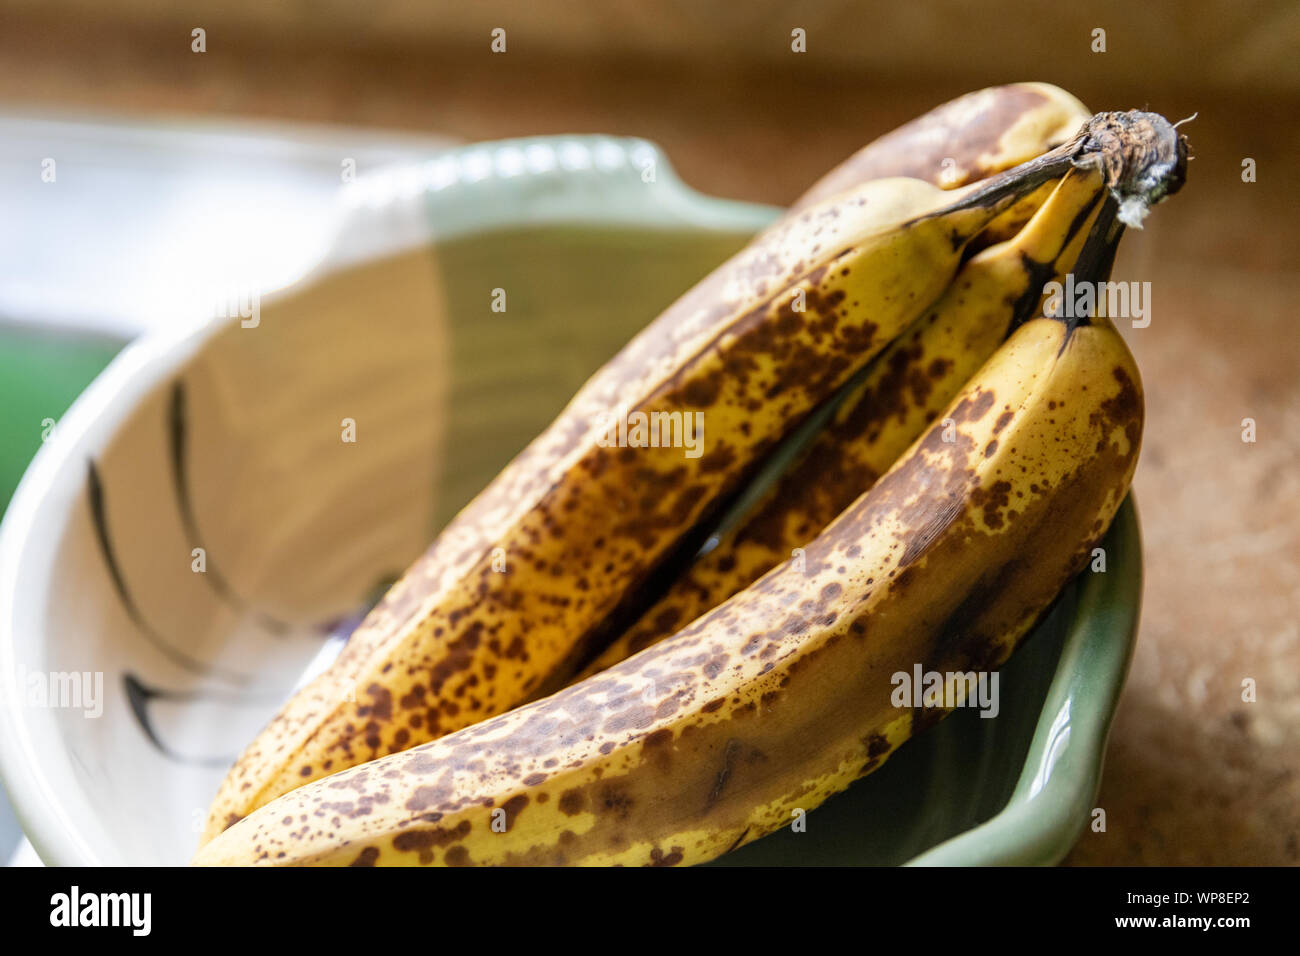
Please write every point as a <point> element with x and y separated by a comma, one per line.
<point>98,512</point>
<point>177,435</point>
<point>140,695</point>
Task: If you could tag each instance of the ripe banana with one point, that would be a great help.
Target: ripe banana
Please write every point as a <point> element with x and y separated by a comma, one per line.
<point>780,696</point>
<point>964,140</point>
<point>944,562</point>
<point>884,410</point>
<point>515,591</point>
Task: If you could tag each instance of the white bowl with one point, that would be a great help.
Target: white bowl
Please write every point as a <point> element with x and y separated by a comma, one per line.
<point>229,438</point>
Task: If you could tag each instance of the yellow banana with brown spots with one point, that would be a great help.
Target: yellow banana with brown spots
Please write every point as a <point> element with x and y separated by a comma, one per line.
<point>782,695</point>
<point>983,132</point>
<point>890,404</point>
<point>514,592</point>
<point>964,140</point>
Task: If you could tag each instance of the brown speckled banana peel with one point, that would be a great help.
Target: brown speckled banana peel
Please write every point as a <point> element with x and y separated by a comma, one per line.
<point>780,696</point>
<point>885,409</point>
<point>984,133</point>
<point>513,592</point>
<point>966,139</point>
<point>962,141</point>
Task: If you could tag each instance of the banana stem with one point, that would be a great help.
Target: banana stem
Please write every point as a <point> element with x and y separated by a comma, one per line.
<point>1096,258</point>
<point>1141,156</point>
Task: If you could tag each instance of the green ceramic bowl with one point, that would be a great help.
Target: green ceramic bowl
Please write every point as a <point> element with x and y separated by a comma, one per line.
<point>226,437</point>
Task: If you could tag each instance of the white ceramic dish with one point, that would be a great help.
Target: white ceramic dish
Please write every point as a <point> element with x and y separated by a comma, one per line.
<point>229,439</point>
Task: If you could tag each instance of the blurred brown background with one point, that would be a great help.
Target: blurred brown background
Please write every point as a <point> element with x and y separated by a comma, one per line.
<point>1194,774</point>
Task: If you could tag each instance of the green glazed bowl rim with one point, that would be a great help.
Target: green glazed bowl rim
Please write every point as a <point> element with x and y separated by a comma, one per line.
<point>1058,784</point>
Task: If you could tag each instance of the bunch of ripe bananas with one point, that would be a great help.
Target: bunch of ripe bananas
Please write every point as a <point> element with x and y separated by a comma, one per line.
<point>612,692</point>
